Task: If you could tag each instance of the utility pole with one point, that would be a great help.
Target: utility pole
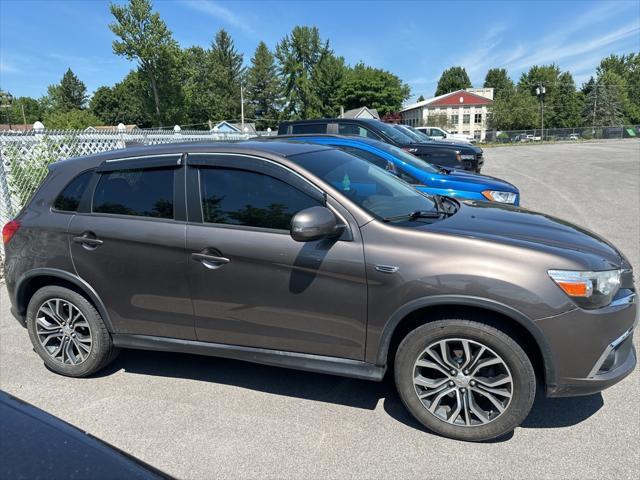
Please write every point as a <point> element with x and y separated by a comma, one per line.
<point>540,91</point>
<point>241,108</point>
<point>595,103</point>
<point>24,117</point>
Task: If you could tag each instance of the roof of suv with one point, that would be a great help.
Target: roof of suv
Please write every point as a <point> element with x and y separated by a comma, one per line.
<point>333,120</point>
<point>249,147</point>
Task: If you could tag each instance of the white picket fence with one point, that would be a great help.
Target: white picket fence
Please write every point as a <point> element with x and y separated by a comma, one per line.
<point>24,156</point>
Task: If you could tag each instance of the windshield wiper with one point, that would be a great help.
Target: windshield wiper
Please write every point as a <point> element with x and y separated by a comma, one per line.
<point>414,215</point>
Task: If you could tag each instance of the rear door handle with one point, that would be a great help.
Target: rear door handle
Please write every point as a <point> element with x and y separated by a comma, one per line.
<point>211,262</point>
<point>88,240</point>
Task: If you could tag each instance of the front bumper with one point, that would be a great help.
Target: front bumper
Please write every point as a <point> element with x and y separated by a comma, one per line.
<point>592,349</point>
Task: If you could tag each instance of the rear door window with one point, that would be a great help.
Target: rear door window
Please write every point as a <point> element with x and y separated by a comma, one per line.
<point>139,192</point>
<point>306,128</point>
<point>69,198</point>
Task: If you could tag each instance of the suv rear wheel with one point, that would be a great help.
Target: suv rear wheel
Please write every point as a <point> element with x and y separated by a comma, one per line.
<point>464,379</point>
<point>68,333</point>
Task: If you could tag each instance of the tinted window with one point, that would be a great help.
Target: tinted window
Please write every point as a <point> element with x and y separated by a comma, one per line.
<point>357,130</point>
<point>145,193</point>
<point>240,197</point>
<point>69,198</point>
<point>369,157</point>
<point>309,128</point>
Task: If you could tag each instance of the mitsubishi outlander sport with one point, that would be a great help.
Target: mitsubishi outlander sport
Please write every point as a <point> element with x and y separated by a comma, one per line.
<point>304,256</point>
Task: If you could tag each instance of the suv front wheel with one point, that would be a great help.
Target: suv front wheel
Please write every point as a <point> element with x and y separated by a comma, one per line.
<point>68,333</point>
<point>464,379</point>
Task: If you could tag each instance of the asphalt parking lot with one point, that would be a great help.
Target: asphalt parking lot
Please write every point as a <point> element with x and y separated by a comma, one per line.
<point>199,417</point>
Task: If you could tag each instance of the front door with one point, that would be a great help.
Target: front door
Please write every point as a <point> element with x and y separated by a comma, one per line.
<point>129,245</point>
<point>252,284</point>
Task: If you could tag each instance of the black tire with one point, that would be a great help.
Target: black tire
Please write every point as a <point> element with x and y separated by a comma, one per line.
<point>102,349</point>
<point>517,361</point>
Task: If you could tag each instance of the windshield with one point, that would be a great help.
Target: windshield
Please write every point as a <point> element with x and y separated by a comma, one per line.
<point>423,136</point>
<point>395,134</point>
<point>372,188</point>
<point>417,136</point>
<point>407,158</point>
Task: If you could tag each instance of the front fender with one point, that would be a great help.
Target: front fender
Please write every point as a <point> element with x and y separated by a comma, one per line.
<point>467,301</point>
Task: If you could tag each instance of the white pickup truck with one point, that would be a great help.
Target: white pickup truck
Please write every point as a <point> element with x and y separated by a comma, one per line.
<point>437,133</point>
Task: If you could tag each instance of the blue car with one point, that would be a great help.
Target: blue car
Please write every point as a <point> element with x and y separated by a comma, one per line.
<point>422,175</point>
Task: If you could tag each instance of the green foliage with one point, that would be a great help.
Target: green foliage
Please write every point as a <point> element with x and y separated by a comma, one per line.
<point>127,102</point>
<point>438,120</point>
<point>452,79</point>
<point>298,55</point>
<point>420,98</point>
<point>32,108</point>
<point>227,73</point>
<point>327,79</point>
<point>627,71</point>
<point>517,110</point>
<point>71,120</point>
<point>374,88</point>
<point>499,80</point>
<point>69,94</point>
<point>605,101</point>
<point>145,37</point>
<point>263,88</point>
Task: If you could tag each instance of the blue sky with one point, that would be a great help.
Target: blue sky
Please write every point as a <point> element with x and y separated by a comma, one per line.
<point>416,40</point>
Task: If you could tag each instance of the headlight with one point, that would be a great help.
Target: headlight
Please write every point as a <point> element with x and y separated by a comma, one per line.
<point>588,289</point>
<point>467,157</point>
<point>498,196</point>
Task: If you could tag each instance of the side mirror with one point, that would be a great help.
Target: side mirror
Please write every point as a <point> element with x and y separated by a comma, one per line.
<point>313,224</point>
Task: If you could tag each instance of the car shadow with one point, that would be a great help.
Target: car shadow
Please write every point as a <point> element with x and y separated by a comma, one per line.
<point>546,412</point>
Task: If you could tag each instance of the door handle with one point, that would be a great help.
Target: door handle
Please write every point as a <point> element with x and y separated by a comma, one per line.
<point>211,262</point>
<point>88,241</point>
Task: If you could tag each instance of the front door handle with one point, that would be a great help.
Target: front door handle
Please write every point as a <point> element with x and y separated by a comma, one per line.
<point>88,240</point>
<point>211,262</point>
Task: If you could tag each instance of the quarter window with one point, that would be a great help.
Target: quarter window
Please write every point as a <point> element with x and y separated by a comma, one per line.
<point>143,193</point>
<point>357,130</point>
<point>240,197</point>
<point>69,198</point>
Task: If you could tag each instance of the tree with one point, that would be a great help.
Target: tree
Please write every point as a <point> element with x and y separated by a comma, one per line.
<point>71,119</point>
<point>604,102</point>
<point>438,120</point>
<point>263,87</point>
<point>327,80</point>
<point>373,88</point>
<point>227,72</point>
<point>562,102</point>
<point>197,85</point>
<point>128,102</point>
<point>144,36</point>
<point>25,110</point>
<point>452,79</point>
<point>627,69</point>
<point>420,98</point>
<point>298,54</point>
<point>69,94</point>
<point>517,110</point>
<point>498,79</point>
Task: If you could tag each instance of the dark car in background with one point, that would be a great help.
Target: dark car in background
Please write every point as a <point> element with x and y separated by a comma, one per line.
<point>446,154</point>
<point>305,256</point>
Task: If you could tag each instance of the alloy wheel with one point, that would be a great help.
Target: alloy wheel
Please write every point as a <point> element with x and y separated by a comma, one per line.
<point>463,382</point>
<point>63,331</point>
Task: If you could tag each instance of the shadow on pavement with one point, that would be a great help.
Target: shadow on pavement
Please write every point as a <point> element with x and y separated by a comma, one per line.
<point>546,413</point>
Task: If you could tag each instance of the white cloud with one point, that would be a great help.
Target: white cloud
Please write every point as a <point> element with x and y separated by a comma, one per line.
<point>219,12</point>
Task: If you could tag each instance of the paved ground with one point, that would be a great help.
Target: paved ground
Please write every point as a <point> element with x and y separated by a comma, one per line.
<point>197,417</point>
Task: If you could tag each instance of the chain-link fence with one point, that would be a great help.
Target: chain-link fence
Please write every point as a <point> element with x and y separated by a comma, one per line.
<point>562,134</point>
<point>24,156</point>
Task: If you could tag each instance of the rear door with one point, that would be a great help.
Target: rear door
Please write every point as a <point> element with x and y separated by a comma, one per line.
<point>252,284</point>
<point>128,243</point>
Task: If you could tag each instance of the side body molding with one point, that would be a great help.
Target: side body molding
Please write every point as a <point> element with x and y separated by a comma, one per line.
<point>467,301</point>
<point>63,275</point>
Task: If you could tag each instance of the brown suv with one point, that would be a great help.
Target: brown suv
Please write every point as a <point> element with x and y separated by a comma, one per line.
<point>307,257</point>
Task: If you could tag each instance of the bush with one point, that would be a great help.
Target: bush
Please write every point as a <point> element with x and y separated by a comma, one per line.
<point>71,120</point>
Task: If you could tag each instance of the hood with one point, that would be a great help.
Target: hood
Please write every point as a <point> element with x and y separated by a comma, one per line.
<point>506,224</point>
<point>462,147</point>
<point>477,183</point>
